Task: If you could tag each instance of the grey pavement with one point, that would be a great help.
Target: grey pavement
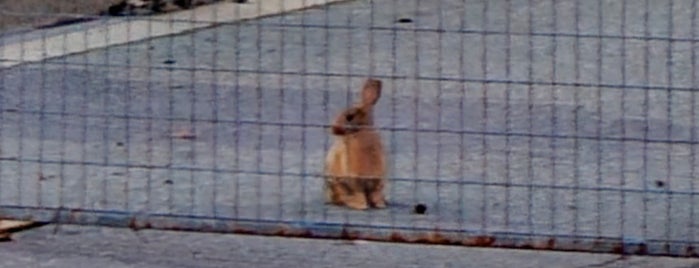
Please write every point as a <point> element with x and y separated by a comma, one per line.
<point>584,131</point>
<point>78,246</point>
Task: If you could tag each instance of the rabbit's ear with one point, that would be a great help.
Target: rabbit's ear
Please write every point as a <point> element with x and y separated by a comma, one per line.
<point>371,92</point>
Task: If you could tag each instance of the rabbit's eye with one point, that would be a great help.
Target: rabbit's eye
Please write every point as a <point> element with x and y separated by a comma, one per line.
<point>349,117</point>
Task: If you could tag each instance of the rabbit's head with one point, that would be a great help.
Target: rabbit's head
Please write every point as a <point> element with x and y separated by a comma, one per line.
<point>360,116</point>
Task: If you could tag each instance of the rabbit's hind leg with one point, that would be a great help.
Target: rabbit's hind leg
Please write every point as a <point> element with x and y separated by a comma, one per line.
<point>344,192</point>
<point>353,194</point>
<point>374,189</point>
<point>356,201</point>
<point>334,191</point>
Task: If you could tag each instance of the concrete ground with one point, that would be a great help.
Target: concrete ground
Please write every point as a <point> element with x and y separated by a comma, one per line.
<point>601,145</point>
<point>78,246</point>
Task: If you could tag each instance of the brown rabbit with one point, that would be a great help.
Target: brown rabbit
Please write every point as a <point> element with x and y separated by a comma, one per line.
<point>355,165</point>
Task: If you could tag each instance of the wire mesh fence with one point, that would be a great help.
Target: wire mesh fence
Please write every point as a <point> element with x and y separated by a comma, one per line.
<point>518,123</point>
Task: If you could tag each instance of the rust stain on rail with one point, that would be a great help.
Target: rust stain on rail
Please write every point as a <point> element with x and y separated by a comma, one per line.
<point>480,241</point>
<point>434,237</point>
<point>370,233</point>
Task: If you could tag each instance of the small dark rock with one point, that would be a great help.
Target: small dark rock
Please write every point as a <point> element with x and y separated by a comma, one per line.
<point>660,183</point>
<point>405,20</point>
<point>168,182</point>
<point>116,10</point>
<point>420,209</point>
<point>185,4</point>
<point>170,61</point>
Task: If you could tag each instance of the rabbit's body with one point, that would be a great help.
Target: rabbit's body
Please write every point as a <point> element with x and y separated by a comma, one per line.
<point>355,166</point>
<point>356,171</point>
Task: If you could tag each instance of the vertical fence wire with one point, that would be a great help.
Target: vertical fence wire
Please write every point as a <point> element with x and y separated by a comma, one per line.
<point>598,126</point>
<point>576,125</point>
<point>3,103</point>
<point>326,87</point>
<point>646,123</point>
<point>282,95</point>
<point>39,150</point>
<point>191,129</point>
<point>508,113</point>
<point>258,114</point>
<point>622,164</point>
<point>372,64</point>
<point>215,95</point>
<point>237,120</point>
<point>304,108</point>
<point>462,123</point>
<point>530,115</point>
<point>84,130</point>
<point>149,109</point>
<point>39,177</point>
<point>554,119</point>
<point>484,122</point>
<point>351,43</point>
<point>64,129</point>
<point>20,125</point>
<point>693,131</point>
<point>416,105</point>
<point>669,92</point>
<point>438,158</point>
<point>106,124</point>
<point>394,107</point>
<point>170,180</point>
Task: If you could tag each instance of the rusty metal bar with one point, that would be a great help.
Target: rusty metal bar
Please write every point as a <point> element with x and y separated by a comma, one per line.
<point>339,230</point>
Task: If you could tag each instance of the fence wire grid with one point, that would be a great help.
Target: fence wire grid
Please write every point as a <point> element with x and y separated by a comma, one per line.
<point>565,125</point>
